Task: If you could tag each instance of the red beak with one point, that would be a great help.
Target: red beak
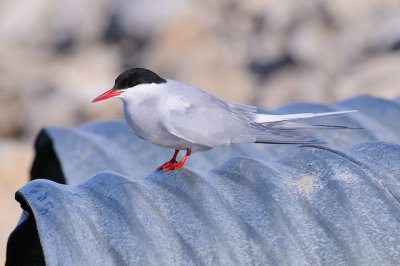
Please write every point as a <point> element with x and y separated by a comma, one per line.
<point>107,94</point>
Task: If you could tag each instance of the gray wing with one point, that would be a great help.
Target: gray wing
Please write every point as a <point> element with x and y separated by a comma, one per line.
<point>272,132</point>
<point>202,118</point>
<point>199,117</point>
<point>265,134</point>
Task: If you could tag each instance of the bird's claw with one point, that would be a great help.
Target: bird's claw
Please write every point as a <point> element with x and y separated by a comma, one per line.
<point>171,165</point>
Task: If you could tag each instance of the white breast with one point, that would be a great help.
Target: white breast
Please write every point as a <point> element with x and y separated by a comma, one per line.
<point>143,105</point>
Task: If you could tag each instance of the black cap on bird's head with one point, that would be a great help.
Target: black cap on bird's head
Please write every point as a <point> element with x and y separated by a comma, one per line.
<point>128,79</point>
<point>136,76</point>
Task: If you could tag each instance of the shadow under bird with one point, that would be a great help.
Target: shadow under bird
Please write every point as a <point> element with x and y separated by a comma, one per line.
<point>175,115</point>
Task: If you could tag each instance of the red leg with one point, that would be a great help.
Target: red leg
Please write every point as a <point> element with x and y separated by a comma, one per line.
<point>175,165</point>
<point>172,161</point>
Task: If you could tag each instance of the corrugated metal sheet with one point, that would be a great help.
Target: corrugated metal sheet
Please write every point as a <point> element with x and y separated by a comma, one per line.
<point>246,204</point>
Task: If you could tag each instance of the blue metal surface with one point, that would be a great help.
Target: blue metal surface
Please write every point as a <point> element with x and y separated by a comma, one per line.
<point>334,204</point>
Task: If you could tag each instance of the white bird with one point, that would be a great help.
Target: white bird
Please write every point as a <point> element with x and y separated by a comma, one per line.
<point>175,115</point>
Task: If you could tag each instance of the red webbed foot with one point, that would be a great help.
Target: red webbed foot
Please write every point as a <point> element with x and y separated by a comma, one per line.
<point>166,165</point>
<point>173,164</point>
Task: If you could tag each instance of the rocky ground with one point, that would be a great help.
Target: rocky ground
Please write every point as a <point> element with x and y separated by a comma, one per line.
<point>55,56</point>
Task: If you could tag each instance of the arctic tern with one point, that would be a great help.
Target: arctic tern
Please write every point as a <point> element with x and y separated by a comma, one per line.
<point>175,115</point>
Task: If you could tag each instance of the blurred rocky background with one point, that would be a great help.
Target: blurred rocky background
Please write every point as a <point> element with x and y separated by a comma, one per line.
<point>56,56</point>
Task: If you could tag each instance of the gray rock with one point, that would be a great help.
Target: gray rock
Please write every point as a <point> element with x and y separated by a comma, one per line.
<point>258,52</point>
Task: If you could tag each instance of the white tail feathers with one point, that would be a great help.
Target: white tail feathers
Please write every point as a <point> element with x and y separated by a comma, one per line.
<point>266,118</point>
